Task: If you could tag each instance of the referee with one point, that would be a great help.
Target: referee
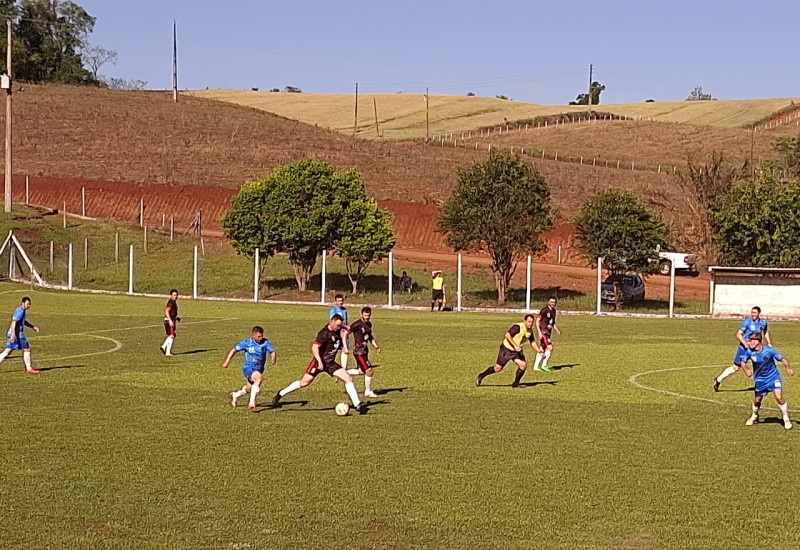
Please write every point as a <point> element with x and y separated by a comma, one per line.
<point>437,286</point>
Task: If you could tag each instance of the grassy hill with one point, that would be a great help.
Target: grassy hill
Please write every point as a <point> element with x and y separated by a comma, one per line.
<point>402,116</point>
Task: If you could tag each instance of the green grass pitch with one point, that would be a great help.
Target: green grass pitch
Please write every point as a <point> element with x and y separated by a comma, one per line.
<point>115,446</point>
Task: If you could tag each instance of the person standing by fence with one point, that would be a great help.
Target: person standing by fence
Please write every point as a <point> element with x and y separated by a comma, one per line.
<point>437,289</point>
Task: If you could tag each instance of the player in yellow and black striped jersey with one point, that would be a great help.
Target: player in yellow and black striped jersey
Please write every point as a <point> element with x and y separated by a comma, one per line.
<point>511,350</point>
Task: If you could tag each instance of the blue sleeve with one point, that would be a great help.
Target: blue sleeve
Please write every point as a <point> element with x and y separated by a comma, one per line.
<point>241,346</point>
<point>18,315</point>
<point>268,346</point>
<point>332,312</point>
<point>743,326</point>
<point>777,355</point>
<point>766,326</point>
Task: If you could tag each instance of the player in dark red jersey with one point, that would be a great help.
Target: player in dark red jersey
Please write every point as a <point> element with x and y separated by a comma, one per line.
<point>324,349</point>
<point>362,334</point>
<point>170,322</point>
<point>545,325</point>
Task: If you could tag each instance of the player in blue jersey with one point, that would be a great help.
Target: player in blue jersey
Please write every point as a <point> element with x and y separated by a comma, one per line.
<point>339,309</point>
<point>256,350</point>
<point>766,376</point>
<point>752,325</point>
<point>15,338</point>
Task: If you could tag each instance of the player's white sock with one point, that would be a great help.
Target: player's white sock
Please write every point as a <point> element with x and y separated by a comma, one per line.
<point>367,383</point>
<point>546,357</point>
<point>164,345</point>
<point>354,372</point>
<point>254,391</point>
<point>6,353</point>
<point>538,360</point>
<point>351,391</point>
<point>345,357</point>
<point>26,358</point>
<point>290,388</point>
<point>238,394</point>
<point>726,373</point>
<point>168,344</point>
<point>784,410</point>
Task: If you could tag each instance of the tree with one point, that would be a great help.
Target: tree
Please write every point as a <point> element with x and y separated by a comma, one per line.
<point>499,206</point>
<point>250,223</point>
<point>756,224</point>
<point>699,95</point>
<point>129,84</point>
<point>583,99</point>
<point>297,209</point>
<point>616,226</point>
<point>789,149</point>
<point>365,236</point>
<point>97,56</point>
<point>470,94</point>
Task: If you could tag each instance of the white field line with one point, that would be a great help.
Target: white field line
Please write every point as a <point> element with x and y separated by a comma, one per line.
<point>634,380</point>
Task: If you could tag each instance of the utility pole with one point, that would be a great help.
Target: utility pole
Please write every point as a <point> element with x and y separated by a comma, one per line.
<point>9,158</point>
<point>175,60</point>
<point>355,114</point>
<point>375,107</point>
<point>427,116</point>
<point>590,86</point>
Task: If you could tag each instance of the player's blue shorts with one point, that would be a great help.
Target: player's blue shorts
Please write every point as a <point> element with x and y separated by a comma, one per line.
<point>766,385</point>
<point>248,370</point>
<point>742,355</point>
<point>20,343</point>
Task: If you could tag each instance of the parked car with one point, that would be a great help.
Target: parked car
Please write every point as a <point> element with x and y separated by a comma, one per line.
<point>685,263</point>
<point>632,289</point>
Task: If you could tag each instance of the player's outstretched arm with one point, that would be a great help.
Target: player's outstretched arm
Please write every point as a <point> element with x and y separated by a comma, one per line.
<point>558,330</point>
<point>315,352</point>
<point>273,358</point>
<point>740,337</point>
<point>767,338</point>
<point>31,325</point>
<point>748,373</point>
<point>227,360</point>
<point>788,366</point>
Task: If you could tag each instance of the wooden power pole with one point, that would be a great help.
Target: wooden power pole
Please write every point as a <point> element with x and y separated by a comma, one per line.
<point>355,114</point>
<point>590,86</point>
<point>427,116</point>
<point>9,157</point>
<point>375,107</point>
<point>175,61</point>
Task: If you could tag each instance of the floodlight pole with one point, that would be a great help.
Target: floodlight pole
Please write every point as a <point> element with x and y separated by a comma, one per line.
<point>175,61</point>
<point>528,286</point>
<point>9,156</point>
<point>458,307</point>
<point>391,279</point>
<point>599,284</point>
<point>256,281</point>
<point>671,289</point>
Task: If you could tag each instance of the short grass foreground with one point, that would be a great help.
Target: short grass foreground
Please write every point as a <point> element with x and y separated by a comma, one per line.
<point>114,445</point>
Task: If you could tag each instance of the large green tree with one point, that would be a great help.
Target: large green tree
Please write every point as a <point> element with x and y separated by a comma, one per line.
<point>616,226</point>
<point>757,223</point>
<point>297,209</point>
<point>500,206</point>
<point>583,99</point>
<point>365,236</point>
<point>50,37</point>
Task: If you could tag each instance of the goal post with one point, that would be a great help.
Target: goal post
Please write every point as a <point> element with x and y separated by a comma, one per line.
<point>14,247</point>
<point>736,290</point>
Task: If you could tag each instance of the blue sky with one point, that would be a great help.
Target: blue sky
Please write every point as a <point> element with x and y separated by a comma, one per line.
<point>530,51</point>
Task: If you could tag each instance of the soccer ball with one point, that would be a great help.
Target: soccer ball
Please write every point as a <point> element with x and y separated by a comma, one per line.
<point>342,409</point>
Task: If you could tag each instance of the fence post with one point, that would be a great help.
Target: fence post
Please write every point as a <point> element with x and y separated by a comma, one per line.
<point>323,277</point>
<point>27,192</point>
<point>711,294</point>
<point>116,247</point>
<point>130,271</point>
<point>145,239</point>
<point>11,260</point>
<point>163,219</point>
<point>69,268</point>
<point>256,280</point>
<point>528,286</point>
<point>171,229</point>
<point>391,279</point>
<point>194,277</point>
<point>599,283</point>
<point>559,253</point>
<point>86,253</point>
<point>458,288</point>
<point>83,202</point>
<point>51,256</point>
<point>671,289</point>
<point>65,214</point>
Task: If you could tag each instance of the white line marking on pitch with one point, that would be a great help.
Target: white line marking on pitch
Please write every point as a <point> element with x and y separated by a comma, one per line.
<point>635,382</point>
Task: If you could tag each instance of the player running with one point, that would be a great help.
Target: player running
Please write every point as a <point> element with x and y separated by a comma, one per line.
<point>752,325</point>
<point>15,338</point>
<point>324,349</point>
<point>511,350</point>
<point>362,334</point>
<point>170,322</point>
<point>766,376</point>
<point>256,349</point>
<point>545,325</point>
<point>339,309</point>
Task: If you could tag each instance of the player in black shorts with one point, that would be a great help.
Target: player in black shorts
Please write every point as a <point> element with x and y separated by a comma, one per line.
<point>170,322</point>
<point>362,334</point>
<point>545,325</point>
<point>511,350</point>
<point>327,343</point>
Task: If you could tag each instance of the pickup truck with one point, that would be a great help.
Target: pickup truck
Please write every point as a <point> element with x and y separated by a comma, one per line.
<point>684,263</point>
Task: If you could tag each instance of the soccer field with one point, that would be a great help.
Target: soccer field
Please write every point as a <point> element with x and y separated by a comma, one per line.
<point>114,445</point>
